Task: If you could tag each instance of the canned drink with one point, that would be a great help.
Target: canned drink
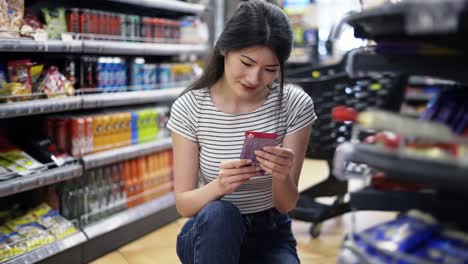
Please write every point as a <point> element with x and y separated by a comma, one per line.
<point>73,20</point>
<point>98,128</point>
<point>93,24</point>
<point>77,136</point>
<point>50,128</point>
<point>122,25</point>
<point>61,125</point>
<point>164,75</point>
<point>130,28</point>
<point>106,140</point>
<point>146,28</point>
<point>88,134</point>
<point>137,25</point>
<point>84,21</point>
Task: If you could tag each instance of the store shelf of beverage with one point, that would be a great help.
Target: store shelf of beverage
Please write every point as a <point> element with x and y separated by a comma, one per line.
<point>178,6</point>
<point>129,216</point>
<point>39,179</point>
<point>99,47</point>
<point>49,250</point>
<point>116,155</point>
<point>129,98</point>
<point>44,106</point>
<point>443,174</point>
<point>87,244</point>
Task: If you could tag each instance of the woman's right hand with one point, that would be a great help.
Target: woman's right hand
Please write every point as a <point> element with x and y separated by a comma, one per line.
<point>232,173</point>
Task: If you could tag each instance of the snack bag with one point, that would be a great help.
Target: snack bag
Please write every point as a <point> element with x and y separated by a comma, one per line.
<point>10,243</point>
<point>51,220</point>
<point>35,236</point>
<point>19,71</point>
<point>403,234</point>
<point>13,167</point>
<point>447,247</point>
<point>56,22</point>
<point>15,13</point>
<point>4,20</point>
<point>21,158</point>
<point>256,141</point>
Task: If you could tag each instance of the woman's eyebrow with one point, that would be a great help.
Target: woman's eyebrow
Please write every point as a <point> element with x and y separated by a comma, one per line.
<point>252,60</point>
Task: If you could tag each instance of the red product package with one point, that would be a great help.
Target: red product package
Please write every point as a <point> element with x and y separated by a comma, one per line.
<point>256,141</point>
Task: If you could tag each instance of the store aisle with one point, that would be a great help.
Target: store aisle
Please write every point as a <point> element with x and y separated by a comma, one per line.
<point>159,246</point>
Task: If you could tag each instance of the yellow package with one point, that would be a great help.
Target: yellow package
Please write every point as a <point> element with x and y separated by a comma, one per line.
<point>52,221</point>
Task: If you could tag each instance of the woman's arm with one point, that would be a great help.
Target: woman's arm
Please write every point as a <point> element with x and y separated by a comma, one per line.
<point>189,199</point>
<point>285,165</point>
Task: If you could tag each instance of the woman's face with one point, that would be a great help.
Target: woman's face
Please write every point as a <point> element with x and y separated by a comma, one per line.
<point>248,71</point>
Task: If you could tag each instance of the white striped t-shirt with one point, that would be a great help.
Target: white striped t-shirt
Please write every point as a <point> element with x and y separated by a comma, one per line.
<point>220,136</point>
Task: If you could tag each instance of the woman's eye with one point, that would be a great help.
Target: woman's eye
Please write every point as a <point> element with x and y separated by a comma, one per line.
<point>270,70</point>
<point>246,64</point>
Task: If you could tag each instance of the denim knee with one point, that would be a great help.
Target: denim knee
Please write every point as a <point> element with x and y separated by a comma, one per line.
<point>220,215</point>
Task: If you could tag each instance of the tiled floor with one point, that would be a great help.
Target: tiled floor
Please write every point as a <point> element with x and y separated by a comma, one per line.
<point>159,246</point>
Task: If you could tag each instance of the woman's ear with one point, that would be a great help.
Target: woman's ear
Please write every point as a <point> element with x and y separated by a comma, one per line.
<point>223,52</point>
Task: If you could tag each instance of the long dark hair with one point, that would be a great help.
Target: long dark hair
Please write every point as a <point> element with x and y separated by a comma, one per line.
<point>255,22</point>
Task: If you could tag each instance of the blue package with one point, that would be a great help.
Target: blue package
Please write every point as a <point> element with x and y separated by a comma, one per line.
<point>134,127</point>
<point>404,233</point>
<point>445,248</point>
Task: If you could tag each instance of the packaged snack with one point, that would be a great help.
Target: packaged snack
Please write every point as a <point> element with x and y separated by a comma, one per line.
<point>36,71</point>
<point>28,228</point>
<point>19,71</point>
<point>51,82</point>
<point>4,20</point>
<point>403,234</point>
<point>2,76</point>
<point>56,22</point>
<point>52,221</point>
<point>256,141</point>
<point>5,174</point>
<point>448,247</point>
<point>10,243</point>
<point>15,13</point>
<point>21,158</point>
<point>31,24</point>
<point>13,167</point>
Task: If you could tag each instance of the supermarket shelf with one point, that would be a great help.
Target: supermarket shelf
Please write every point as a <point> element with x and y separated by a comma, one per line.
<point>371,199</point>
<point>135,48</point>
<point>367,62</point>
<point>30,45</point>
<point>39,179</point>
<point>116,155</point>
<point>41,106</point>
<point>411,20</point>
<point>44,106</point>
<point>99,47</point>
<point>50,250</point>
<point>445,206</point>
<point>436,173</point>
<point>130,98</point>
<point>129,216</point>
<point>177,6</point>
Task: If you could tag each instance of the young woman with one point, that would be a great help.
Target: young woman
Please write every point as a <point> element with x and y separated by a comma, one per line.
<point>237,214</point>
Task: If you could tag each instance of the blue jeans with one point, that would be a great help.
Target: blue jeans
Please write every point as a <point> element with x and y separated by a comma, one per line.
<point>220,234</point>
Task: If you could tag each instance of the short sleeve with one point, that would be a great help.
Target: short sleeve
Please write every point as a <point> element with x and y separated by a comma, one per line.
<point>300,109</point>
<point>183,120</point>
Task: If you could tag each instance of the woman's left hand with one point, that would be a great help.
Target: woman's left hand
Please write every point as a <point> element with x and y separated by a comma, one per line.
<point>276,161</point>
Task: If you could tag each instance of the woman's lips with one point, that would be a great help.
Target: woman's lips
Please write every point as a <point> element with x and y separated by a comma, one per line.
<point>248,87</point>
